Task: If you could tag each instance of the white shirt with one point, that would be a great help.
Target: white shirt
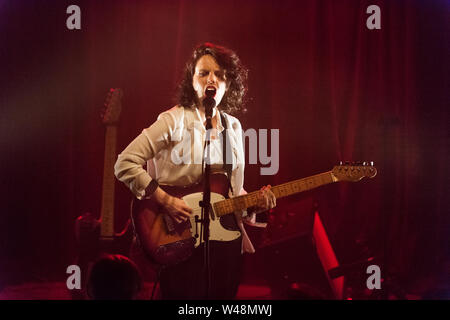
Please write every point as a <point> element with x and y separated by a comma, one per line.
<point>172,150</point>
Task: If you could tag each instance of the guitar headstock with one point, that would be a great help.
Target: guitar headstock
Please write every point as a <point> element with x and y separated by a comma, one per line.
<point>113,106</point>
<point>354,171</point>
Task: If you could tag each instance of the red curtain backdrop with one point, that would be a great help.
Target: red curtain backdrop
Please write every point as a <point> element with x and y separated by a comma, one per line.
<point>335,90</point>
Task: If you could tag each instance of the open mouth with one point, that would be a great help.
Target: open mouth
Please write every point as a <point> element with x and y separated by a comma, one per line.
<point>210,91</point>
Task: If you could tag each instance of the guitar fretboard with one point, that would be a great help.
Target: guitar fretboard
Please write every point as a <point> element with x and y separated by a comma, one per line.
<point>107,213</point>
<point>227,206</point>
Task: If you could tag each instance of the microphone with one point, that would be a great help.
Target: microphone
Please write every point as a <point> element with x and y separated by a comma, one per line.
<point>208,102</point>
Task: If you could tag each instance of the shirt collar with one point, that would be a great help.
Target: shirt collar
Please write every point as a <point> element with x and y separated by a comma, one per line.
<point>220,127</point>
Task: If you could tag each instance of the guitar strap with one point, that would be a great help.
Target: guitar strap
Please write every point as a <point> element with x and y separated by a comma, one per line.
<point>227,158</point>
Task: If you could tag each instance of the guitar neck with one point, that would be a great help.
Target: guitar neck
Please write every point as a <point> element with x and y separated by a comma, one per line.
<point>228,206</point>
<point>107,212</point>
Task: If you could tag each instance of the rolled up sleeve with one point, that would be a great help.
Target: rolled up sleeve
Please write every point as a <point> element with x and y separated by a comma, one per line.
<point>129,167</point>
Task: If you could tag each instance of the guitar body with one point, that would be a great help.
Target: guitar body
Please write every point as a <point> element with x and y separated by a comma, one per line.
<point>90,243</point>
<point>165,241</point>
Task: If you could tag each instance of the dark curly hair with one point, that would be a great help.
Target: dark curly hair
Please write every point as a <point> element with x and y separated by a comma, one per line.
<point>235,73</point>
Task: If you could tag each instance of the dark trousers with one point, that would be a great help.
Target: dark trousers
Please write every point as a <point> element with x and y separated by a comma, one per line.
<point>187,280</point>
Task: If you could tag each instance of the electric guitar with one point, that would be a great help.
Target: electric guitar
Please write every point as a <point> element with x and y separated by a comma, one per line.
<point>167,242</point>
<point>97,236</point>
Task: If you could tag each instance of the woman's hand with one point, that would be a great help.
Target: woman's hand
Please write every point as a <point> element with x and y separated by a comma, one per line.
<point>266,199</point>
<point>175,207</point>
<point>178,209</point>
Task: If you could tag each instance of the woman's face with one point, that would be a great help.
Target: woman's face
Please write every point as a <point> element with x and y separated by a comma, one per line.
<point>209,74</point>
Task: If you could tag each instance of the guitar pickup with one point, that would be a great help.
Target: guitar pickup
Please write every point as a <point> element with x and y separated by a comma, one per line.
<point>172,226</point>
<point>212,216</point>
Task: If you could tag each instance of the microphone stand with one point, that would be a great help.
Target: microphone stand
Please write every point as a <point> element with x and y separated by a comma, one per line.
<point>209,104</point>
